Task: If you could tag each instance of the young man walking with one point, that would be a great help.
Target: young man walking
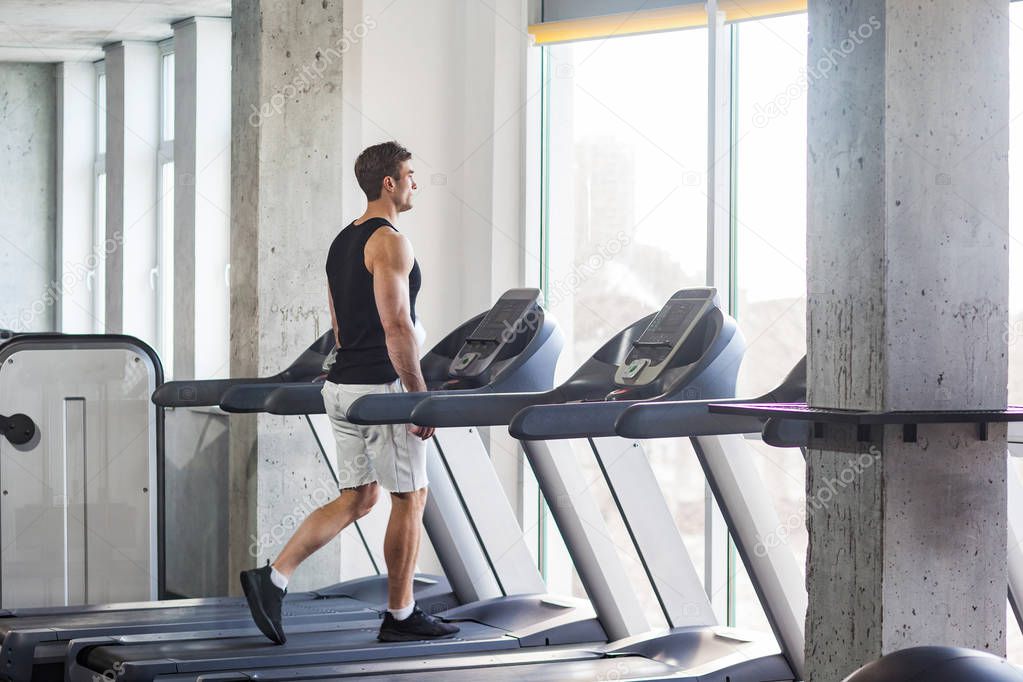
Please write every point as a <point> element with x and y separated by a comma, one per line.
<point>372,283</point>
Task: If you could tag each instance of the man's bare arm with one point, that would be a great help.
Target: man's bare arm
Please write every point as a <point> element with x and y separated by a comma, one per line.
<point>333,318</point>
<point>389,258</point>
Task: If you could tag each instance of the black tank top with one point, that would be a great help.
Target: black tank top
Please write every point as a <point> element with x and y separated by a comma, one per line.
<point>362,356</point>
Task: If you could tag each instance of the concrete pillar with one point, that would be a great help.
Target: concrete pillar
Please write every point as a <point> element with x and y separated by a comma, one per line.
<point>285,210</point>
<point>27,202</point>
<point>202,196</point>
<point>133,141</point>
<point>908,297</point>
<point>76,155</point>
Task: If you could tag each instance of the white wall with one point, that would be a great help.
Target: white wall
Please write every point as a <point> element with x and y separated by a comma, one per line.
<point>76,154</point>
<point>445,79</point>
<point>28,198</point>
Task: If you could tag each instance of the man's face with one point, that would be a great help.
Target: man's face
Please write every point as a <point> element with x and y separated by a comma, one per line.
<point>405,186</point>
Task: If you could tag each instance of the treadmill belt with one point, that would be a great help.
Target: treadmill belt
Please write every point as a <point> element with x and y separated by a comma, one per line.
<point>138,659</point>
<point>534,665</point>
<point>181,618</point>
<point>23,637</point>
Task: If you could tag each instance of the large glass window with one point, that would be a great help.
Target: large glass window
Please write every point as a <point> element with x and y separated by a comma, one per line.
<point>163,279</point>
<point>1014,333</point>
<point>770,234</point>
<point>625,224</point>
<point>624,158</point>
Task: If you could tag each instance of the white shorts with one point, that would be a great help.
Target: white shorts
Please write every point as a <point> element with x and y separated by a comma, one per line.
<point>385,453</point>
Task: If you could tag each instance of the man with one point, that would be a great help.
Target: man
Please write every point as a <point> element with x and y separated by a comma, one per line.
<point>372,283</point>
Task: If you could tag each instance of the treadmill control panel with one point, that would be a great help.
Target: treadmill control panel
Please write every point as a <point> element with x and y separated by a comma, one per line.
<point>656,346</point>
<point>512,315</point>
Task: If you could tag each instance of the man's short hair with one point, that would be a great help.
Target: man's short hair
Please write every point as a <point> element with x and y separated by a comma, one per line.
<point>378,162</point>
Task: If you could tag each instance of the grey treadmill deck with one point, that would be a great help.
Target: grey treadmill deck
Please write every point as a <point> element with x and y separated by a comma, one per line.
<point>145,657</point>
<point>511,668</point>
<point>35,640</point>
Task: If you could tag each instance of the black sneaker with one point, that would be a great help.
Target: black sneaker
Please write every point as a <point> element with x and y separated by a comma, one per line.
<point>417,626</point>
<point>265,601</point>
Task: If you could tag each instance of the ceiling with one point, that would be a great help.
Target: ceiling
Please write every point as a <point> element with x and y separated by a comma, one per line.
<point>77,30</point>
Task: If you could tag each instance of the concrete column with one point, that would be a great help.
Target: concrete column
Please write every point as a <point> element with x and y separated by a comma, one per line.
<point>202,196</point>
<point>28,199</point>
<point>908,297</point>
<point>76,154</point>
<point>285,210</point>
<point>133,141</point>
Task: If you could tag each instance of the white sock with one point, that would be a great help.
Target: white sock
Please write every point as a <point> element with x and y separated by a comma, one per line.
<point>278,578</point>
<point>402,614</point>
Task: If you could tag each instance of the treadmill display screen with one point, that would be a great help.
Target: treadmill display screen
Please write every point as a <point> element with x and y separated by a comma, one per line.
<point>501,321</point>
<point>671,322</point>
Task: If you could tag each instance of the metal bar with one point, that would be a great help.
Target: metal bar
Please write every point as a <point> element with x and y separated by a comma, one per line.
<point>454,540</point>
<point>587,537</point>
<point>486,505</point>
<point>752,518</point>
<point>1015,540</point>
<point>653,531</point>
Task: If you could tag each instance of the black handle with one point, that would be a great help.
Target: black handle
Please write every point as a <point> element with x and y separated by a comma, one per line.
<point>385,408</point>
<point>676,419</point>
<point>570,420</point>
<point>494,409</point>
<point>18,428</point>
<point>201,392</point>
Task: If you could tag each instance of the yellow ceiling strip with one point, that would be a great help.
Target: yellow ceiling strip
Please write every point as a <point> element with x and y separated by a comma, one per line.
<point>743,10</point>
<point>650,21</point>
<point>608,25</point>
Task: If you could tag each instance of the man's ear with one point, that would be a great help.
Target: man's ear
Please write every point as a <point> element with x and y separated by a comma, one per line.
<point>389,183</point>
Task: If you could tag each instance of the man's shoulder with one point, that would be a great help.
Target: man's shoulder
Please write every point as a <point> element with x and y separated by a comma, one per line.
<point>389,246</point>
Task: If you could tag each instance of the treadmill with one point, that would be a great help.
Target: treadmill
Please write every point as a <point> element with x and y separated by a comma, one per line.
<point>749,513</point>
<point>746,505</point>
<point>514,346</point>
<point>35,639</point>
<point>689,348</point>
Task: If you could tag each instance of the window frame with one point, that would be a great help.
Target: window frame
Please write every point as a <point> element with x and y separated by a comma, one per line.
<point>161,276</point>
<point>96,277</point>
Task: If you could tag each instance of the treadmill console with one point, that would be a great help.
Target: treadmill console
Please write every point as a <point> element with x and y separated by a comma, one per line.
<point>514,314</point>
<point>653,351</point>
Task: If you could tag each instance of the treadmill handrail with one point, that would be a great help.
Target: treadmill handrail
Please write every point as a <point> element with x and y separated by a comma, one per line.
<point>593,419</point>
<point>395,408</point>
<point>493,409</point>
<point>252,397</point>
<point>203,392</point>
<point>681,418</point>
<point>295,399</point>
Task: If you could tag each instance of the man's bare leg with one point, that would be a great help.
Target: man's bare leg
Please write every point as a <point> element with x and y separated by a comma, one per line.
<point>324,524</point>
<point>401,545</point>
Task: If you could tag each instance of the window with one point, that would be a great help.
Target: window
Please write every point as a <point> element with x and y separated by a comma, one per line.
<point>1014,333</point>
<point>96,278</point>
<point>770,249</point>
<point>163,274</point>
<point>625,227</point>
